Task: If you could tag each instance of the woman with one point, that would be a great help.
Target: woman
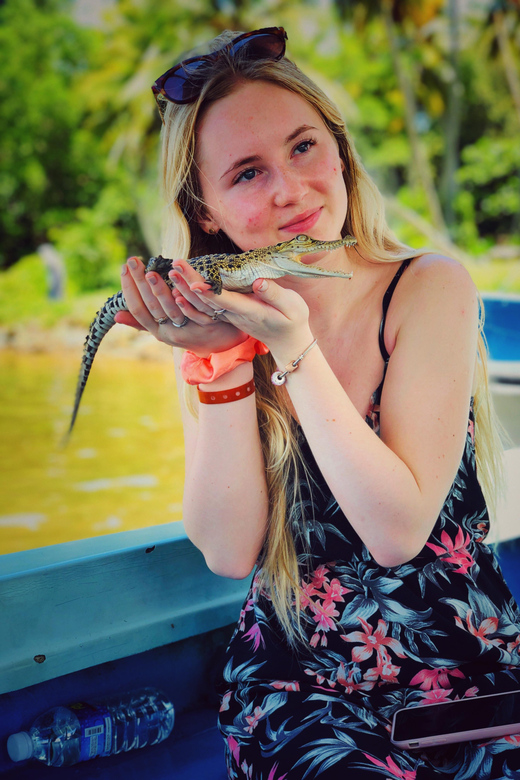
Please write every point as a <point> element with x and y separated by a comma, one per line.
<point>352,486</point>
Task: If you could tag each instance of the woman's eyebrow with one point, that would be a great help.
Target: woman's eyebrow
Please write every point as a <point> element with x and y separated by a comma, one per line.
<point>299,131</point>
<point>256,157</point>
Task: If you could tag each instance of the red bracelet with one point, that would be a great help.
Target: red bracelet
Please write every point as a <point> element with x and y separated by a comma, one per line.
<point>226,396</point>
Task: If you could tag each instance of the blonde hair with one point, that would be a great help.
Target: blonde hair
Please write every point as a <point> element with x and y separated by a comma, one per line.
<point>365,220</point>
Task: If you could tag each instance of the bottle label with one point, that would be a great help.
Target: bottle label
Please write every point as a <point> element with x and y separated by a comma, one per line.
<point>96,730</point>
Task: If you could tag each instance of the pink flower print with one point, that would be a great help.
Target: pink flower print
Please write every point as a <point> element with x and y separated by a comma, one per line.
<point>488,626</point>
<point>385,671</point>
<point>282,685</point>
<point>324,615</point>
<point>234,748</point>
<point>254,719</point>
<point>511,646</point>
<point>255,635</point>
<point>347,681</point>
<point>471,430</point>
<point>373,641</point>
<point>513,739</point>
<point>471,692</point>
<point>225,701</point>
<point>435,678</point>
<point>334,591</point>
<point>391,766</point>
<point>436,694</point>
<point>319,577</point>
<point>454,552</point>
<point>272,774</point>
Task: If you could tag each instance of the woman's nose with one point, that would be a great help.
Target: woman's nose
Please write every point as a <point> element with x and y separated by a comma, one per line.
<point>289,187</point>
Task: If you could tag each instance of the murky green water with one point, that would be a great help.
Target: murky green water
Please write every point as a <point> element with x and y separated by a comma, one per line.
<point>123,467</point>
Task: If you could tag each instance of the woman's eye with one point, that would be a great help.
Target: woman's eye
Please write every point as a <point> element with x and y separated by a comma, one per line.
<point>304,146</point>
<point>247,175</point>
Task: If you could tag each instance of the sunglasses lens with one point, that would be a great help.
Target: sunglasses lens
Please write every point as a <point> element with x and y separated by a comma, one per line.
<point>259,47</point>
<point>182,85</point>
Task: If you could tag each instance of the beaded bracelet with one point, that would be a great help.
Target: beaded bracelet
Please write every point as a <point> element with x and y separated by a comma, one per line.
<point>226,396</point>
<point>279,377</point>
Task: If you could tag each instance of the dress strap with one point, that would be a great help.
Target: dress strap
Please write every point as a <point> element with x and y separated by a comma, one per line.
<point>386,303</point>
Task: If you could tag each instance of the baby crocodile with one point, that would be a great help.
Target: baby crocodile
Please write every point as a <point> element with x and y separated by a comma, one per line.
<point>221,271</point>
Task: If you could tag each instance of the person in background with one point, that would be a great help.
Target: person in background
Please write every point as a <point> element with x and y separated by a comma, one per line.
<point>356,484</point>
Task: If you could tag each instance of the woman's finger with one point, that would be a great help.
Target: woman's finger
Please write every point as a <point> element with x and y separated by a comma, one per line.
<point>149,307</point>
<point>125,318</point>
<point>188,294</point>
<point>165,297</point>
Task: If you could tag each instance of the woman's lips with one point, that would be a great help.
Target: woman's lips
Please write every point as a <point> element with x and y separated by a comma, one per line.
<point>303,222</point>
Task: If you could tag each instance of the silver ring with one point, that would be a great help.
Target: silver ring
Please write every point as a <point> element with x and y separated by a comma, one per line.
<point>216,313</point>
<point>161,320</point>
<point>182,324</point>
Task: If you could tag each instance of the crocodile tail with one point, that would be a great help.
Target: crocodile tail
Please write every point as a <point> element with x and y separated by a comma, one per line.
<point>103,321</point>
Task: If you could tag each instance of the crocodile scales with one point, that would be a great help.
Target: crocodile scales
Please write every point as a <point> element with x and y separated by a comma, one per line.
<point>221,271</point>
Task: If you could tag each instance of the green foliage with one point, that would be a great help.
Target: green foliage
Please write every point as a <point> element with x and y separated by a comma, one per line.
<point>23,291</point>
<point>93,243</point>
<point>490,192</point>
<point>49,165</point>
<point>80,129</point>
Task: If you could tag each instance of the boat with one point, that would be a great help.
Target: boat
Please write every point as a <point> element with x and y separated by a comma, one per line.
<point>83,620</point>
<point>502,332</point>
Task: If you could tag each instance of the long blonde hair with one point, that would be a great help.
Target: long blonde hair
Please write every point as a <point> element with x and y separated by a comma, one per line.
<point>365,220</point>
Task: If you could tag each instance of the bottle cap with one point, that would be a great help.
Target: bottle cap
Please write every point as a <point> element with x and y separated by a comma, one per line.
<point>20,746</point>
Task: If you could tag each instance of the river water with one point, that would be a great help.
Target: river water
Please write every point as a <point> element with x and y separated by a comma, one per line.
<point>123,467</point>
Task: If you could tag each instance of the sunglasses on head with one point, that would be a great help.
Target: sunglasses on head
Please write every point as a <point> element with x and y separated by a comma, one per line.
<point>182,83</point>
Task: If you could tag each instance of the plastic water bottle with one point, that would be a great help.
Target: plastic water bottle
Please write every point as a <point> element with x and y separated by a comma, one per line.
<point>67,735</point>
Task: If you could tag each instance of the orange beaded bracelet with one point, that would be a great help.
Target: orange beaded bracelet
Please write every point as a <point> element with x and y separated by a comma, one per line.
<point>226,396</point>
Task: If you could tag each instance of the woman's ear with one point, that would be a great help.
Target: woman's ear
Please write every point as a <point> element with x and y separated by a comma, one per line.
<point>208,226</point>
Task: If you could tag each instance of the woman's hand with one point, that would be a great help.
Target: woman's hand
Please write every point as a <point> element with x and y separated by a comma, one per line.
<point>277,316</point>
<point>149,299</point>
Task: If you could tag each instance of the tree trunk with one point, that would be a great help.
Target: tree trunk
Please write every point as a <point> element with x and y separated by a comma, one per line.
<point>453,118</point>
<point>420,163</point>
<point>507,59</point>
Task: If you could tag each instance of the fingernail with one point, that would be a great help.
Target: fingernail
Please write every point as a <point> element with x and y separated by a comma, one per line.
<point>124,269</point>
<point>180,303</point>
<point>177,268</point>
<point>262,286</point>
<point>132,262</point>
<point>151,279</point>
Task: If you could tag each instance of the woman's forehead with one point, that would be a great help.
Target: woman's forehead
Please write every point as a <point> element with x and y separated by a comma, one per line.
<point>254,113</point>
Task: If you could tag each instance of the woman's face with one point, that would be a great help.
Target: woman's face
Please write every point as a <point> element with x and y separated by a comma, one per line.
<point>269,168</point>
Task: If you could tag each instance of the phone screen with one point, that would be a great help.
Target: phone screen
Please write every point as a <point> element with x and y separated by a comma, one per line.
<point>462,715</point>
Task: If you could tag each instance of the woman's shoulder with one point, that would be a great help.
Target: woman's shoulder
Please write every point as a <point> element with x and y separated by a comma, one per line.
<point>436,280</point>
<point>435,293</point>
<point>434,269</point>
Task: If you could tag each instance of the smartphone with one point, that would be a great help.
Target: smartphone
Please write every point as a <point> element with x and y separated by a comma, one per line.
<point>478,717</point>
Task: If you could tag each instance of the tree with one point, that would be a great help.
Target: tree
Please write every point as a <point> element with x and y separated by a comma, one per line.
<point>49,165</point>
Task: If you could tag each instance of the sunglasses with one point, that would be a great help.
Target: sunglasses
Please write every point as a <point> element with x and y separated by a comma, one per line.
<point>183,83</point>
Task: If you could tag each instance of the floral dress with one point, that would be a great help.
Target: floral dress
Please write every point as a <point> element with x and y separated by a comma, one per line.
<point>442,626</point>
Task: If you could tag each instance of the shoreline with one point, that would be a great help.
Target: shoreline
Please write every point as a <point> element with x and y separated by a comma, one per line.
<point>121,341</point>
